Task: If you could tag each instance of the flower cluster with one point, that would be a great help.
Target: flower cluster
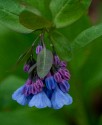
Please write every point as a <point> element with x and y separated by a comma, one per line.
<point>50,91</point>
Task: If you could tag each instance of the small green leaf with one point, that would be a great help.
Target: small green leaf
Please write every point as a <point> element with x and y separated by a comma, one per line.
<point>62,46</point>
<point>65,12</point>
<point>9,11</point>
<point>32,21</point>
<point>87,36</point>
<point>44,62</point>
<point>24,56</point>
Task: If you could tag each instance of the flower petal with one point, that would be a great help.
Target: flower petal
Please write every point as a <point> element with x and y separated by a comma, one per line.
<point>50,83</point>
<point>59,99</point>
<point>18,92</point>
<point>22,99</point>
<point>40,101</point>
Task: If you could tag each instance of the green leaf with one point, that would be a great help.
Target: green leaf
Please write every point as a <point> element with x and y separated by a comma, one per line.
<point>44,62</point>
<point>65,12</point>
<point>87,36</point>
<point>62,46</point>
<point>41,5</point>
<point>33,21</point>
<point>9,11</point>
<point>24,56</point>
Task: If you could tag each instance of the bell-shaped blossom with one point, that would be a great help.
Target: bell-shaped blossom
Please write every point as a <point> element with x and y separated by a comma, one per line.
<point>50,83</point>
<point>20,97</point>
<point>40,100</point>
<point>59,99</point>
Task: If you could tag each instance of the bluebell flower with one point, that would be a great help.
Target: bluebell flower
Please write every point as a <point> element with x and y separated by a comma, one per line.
<point>17,93</point>
<point>40,100</point>
<point>50,91</point>
<point>59,99</point>
<point>20,97</point>
<point>50,83</point>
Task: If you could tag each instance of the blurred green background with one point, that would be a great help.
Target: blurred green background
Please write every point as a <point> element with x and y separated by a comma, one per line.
<point>86,78</point>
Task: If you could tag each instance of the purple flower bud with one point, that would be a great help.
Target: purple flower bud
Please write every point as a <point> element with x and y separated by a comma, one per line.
<point>39,83</point>
<point>57,77</point>
<point>26,67</point>
<point>63,64</point>
<point>64,86</point>
<point>56,60</point>
<point>37,88</point>
<point>66,76</point>
<point>64,73</point>
<point>38,49</point>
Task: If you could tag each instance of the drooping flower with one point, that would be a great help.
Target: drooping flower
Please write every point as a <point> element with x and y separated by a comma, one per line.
<point>50,83</point>
<point>59,99</point>
<point>17,93</point>
<point>40,100</point>
<point>50,91</point>
<point>20,97</point>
